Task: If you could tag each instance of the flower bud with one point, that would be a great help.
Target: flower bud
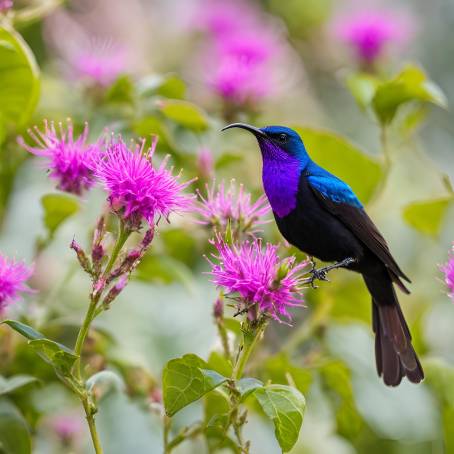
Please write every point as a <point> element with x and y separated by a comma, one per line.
<point>81,256</point>
<point>115,290</point>
<point>218,310</point>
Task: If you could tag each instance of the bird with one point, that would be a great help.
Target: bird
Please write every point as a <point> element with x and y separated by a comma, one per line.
<point>319,214</point>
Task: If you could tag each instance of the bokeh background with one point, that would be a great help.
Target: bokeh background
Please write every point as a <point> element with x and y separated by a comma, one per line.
<point>121,66</point>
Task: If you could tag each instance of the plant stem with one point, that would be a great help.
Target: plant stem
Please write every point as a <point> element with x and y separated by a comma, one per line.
<point>92,312</point>
<point>89,412</point>
<point>250,340</point>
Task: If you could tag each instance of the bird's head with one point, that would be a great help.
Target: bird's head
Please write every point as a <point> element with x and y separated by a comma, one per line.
<point>277,142</point>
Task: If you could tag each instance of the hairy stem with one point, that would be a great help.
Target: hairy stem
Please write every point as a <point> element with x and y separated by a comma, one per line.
<point>92,312</point>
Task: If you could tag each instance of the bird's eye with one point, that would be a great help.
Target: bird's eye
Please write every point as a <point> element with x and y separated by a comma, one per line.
<point>282,137</point>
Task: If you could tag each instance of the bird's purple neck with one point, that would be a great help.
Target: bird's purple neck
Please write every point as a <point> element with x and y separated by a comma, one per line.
<point>281,173</point>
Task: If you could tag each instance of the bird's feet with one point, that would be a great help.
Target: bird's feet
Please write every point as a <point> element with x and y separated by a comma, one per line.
<point>321,274</point>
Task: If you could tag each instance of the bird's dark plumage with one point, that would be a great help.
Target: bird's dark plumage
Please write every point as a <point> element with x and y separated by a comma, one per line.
<point>320,215</point>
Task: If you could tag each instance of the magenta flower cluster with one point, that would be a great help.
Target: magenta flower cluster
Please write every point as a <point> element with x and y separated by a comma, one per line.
<point>5,5</point>
<point>69,160</point>
<point>241,51</point>
<point>13,276</point>
<point>137,189</point>
<point>101,63</point>
<point>221,205</point>
<point>263,281</point>
<point>448,271</point>
<point>370,32</point>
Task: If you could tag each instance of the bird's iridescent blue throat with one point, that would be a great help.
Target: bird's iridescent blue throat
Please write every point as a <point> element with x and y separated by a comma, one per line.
<point>284,158</point>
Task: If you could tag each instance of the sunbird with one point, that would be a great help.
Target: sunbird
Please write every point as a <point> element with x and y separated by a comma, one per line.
<point>319,214</point>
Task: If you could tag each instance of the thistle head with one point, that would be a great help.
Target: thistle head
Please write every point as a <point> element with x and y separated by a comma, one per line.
<point>69,159</point>
<point>13,277</point>
<point>263,283</point>
<point>137,189</point>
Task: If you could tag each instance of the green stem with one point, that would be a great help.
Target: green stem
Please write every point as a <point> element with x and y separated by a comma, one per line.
<point>123,235</point>
<point>250,340</point>
<point>89,412</point>
<point>92,312</point>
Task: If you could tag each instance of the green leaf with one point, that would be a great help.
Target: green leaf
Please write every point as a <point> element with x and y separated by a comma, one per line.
<point>8,385</point>
<point>57,355</point>
<point>60,357</point>
<point>427,216</point>
<point>14,433</point>
<point>162,269</point>
<point>333,152</point>
<point>411,84</point>
<point>19,79</point>
<point>58,208</point>
<point>285,407</point>
<point>246,386</point>
<point>186,380</point>
<point>220,364</point>
<point>185,114</point>
<point>122,91</point>
<point>216,403</point>
<point>26,331</point>
<point>362,87</point>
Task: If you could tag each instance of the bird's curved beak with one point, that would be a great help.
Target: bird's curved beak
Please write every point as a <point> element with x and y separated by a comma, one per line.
<point>256,131</point>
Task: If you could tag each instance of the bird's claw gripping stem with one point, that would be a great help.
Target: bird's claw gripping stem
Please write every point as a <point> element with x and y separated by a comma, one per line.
<point>321,274</point>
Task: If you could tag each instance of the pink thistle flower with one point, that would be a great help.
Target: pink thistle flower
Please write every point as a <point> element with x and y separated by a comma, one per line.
<point>138,190</point>
<point>370,32</point>
<point>101,63</point>
<point>260,278</point>
<point>69,159</point>
<point>12,281</point>
<point>5,5</point>
<point>448,270</point>
<point>220,206</point>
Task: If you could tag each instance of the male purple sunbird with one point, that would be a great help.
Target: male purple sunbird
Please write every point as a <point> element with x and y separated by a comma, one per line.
<point>320,215</point>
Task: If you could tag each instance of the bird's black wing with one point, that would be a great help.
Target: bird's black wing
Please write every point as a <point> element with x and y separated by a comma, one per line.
<point>361,225</point>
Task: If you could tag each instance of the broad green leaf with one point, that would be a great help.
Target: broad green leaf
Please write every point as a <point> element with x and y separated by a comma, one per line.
<point>246,386</point>
<point>26,331</point>
<point>362,87</point>
<point>427,216</point>
<point>233,325</point>
<point>411,84</point>
<point>14,433</point>
<point>60,357</point>
<point>285,406</point>
<point>122,91</point>
<point>19,79</point>
<point>8,385</point>
<point>57,355</point>
<point>58,208</point>
<point>186,380</point>
<point>185,114</point>
<point>220,364</point>
<point>333,152</point>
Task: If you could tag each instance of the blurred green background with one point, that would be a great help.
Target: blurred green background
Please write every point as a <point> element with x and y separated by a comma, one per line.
<point>167,310</point>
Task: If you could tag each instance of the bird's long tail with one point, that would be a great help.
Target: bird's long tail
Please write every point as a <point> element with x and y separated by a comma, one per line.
<point>394,353</point>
